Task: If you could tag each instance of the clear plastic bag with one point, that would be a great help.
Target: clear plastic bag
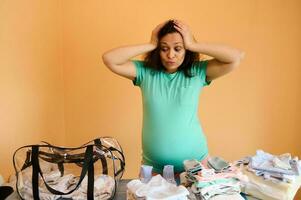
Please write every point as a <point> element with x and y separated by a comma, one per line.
<point>49,172</point>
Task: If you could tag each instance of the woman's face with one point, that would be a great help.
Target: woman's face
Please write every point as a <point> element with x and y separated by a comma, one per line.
<point>172,51</point>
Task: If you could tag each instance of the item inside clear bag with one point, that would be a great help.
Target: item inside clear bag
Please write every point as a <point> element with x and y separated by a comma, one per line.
<point>62,168</point>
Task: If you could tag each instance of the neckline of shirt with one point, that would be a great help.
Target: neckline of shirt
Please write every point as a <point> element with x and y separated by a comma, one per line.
<point>170,76</point>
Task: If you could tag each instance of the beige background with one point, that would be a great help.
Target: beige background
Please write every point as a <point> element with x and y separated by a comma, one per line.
<point>54,86</point>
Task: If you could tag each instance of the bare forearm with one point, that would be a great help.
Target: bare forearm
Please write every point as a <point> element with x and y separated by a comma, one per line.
<point>221,53</point>
<point>121,55</point>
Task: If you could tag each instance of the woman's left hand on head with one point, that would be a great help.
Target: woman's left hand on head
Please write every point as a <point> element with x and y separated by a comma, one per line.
<point>185,32</point>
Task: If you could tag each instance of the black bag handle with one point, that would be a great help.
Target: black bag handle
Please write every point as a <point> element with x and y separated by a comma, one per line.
<point>104,163</point>
<point>122,163</point>
<point>98,143</point>
<point>88,166</point>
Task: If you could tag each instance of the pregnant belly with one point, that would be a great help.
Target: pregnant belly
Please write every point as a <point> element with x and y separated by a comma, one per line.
<point>172,148</point>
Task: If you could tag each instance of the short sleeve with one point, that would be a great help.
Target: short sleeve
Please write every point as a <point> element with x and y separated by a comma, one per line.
<point>200,69</point>
<point>140,72</point>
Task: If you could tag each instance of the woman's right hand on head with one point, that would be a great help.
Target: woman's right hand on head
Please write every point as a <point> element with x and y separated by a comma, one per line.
<point>154,37</point>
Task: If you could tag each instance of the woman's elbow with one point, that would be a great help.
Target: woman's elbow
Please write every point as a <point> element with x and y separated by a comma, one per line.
<point>238,59</point>
<point>104,57</point>
<point>105,60</point>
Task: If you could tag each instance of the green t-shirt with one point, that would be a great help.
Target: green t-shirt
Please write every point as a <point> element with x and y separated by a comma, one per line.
<point>171,131</point>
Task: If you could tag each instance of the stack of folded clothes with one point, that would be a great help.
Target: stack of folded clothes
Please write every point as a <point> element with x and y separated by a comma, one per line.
<point>221,181</point>
<point>272,177</point>
<point>156,188</point>
<point>263,176</point>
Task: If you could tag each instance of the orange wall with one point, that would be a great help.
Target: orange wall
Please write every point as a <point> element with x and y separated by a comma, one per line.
<point>256,106</point>
<point>31,84</point>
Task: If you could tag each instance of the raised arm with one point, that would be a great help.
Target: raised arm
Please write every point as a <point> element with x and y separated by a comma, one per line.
<point>225,58</point>
<point>118,59</point>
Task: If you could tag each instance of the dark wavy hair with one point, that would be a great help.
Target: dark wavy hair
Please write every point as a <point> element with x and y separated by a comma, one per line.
<point>153,60</point>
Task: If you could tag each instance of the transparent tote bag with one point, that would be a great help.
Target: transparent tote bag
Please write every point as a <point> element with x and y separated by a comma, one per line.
<point>49,172</point>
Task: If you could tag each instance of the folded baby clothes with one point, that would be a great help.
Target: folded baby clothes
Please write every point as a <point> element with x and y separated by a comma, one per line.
<point>192,166</point>
<point>218,164</point>
<point>227,197</point>
<point>230,187</point>
<point>156,189</point>
<point>223,182</point>
<point>275,164</point>
<point>209,175</point>
<point>268,189</point>
<point>193,196</point>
